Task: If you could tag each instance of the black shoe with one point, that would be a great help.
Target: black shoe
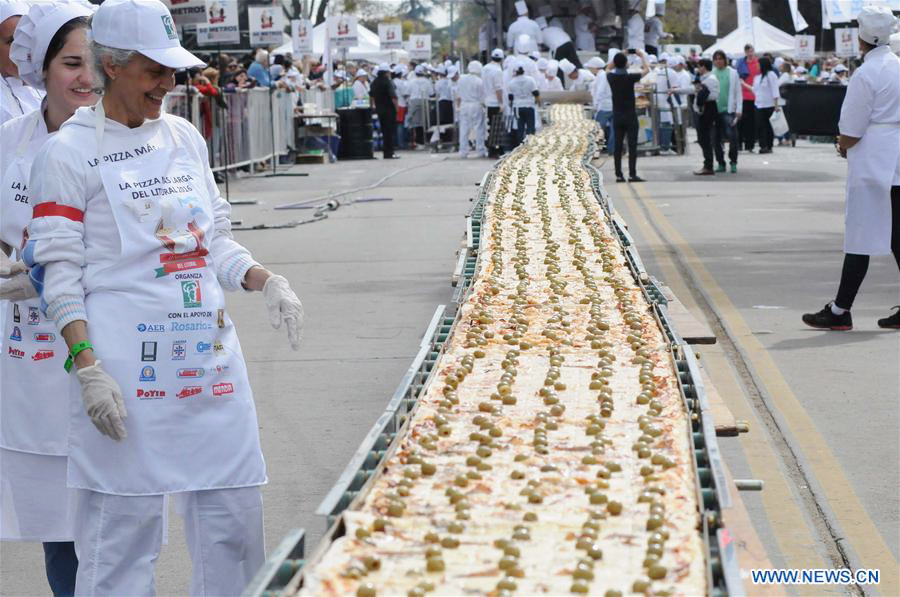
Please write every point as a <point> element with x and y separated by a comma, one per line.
<point>891,322</point>
<point>635,179</point>
<point>620,178</point>
<point>826,320</point>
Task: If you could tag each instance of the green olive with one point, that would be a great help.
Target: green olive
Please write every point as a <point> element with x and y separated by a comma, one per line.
<point>366,590</point>
<point>580,586</point>
<point>657,572</point>
<point>435,565</point>
<point>614,508</point>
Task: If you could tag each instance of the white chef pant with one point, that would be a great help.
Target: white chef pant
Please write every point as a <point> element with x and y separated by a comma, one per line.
<point>118,538</point>
<point>471,120</point>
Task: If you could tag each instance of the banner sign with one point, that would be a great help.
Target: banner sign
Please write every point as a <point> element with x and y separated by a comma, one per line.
<point>419,47</point>
<point>301,37</point>
<point>709,17</point>
<point>343,31</point>
<point>390,35</point>
<point>265,25</point>
<point>846,42</point>
<point>187,12</point>
<point>221,25</point>
<point>805,47</point>
<point>799,22</point>
<point>745,19</point>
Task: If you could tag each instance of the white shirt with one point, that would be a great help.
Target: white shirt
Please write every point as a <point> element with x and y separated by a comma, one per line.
<point>634,34</point>
<point>709,81</point>
<point>492,78</point>
<point>360,90</point>
<point>402,87</point>
<point>522,88</point>
<point>470,89</point>
<point>766,90</point>
<point>17,99</point>
<point>524,25</point>
<point>873,97</point>
<point>555,37</point>
<point>421,88</point>
<point>601,93</point>
<point>584,82</point>
<point>443,88</point>
<point>546,83</point>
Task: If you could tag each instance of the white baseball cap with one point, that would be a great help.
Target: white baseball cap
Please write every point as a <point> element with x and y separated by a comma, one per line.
<point>145,26</point>
<point>474,67</point>
<point>839,68</point>
<point>12,8</point>
<point>496,53</point>
<point>876,24</point>
<point>35,31</point>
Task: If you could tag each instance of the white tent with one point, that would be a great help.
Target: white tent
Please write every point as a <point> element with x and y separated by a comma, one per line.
<point>369,47</point>
<point>766,38</point>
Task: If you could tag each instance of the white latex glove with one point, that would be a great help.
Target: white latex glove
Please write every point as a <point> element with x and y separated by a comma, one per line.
<point>284,305</point>
<point>8,267</point>
<point>18,288</point>
<point>103,401</point>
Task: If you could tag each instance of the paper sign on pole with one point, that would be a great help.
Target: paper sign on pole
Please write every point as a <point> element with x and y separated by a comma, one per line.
<point>390,35</point>
<point>799,22</point>
<point>221,25</point>
<point>419,47</point>
<point>265,25</point>
<point>343,31</point>
<point>745,20</point>
<point>836,11</point>
<point>805,47</point>
<point>709,17</point>
<point>301,37</point>
<point>187,12</point>
<point>846,42</point>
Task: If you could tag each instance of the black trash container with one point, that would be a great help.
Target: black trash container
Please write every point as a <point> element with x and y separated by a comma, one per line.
<point>813,109</point>
<point>355,129</point>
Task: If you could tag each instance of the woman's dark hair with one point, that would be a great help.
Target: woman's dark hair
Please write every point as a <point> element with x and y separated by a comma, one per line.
<point>720,54</point>
<point>59,39</point>
<point>620,60</point>
<point>279,59</point>
<point>706,63</point>
<point>765,65</point>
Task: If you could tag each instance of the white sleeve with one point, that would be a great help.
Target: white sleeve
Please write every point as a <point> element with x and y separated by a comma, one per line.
<point>856,111</point>
<point>55,248</point>
<point>230,259</point>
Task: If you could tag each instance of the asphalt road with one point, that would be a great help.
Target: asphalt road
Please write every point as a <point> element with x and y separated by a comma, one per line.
<point>750,252</point>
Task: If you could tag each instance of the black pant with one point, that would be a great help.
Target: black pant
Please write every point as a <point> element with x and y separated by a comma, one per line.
<point>706,126</point>
<point>764,133</point>
<point>525,116</point>
<point>62,565</point>
<point>567,50</point>
<point>626,127</point>
<point>747,126</point>
<point>388,122</point>
<point>651,49</point>
<point>856,266</point>
<point>493,140</point>
<point>725,130</point>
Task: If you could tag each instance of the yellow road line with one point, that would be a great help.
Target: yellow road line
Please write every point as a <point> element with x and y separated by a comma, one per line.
<point>788,522</point>
<point>857,527</point>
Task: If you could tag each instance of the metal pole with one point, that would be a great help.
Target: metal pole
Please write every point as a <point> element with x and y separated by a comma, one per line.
<point>452,29</point>
<point>224,111</point>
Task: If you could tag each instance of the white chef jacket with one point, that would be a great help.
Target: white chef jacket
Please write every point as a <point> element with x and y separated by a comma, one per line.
<point>421,88</point>
<point>871,112</point>
<point>766,90</point>
<point>528,27</point>
<point>444,89</point>
<point>601,93</point>
<point>584,82</point>
<point>17,99</point>
<point>549,84</point>
<point>470,89</point>
<point>492,78</point>
<point>77,253</point>
<point>522,88</point>
<point>584,38</point>
<point>360,90</point>
<point>555,37</point>
<point>634,32</point>
<point>402,87</point>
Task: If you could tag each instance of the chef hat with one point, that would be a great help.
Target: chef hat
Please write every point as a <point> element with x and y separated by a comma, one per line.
<point>496,53</point>
<point>566,67</point>
<point>595,62</point>
<point>535,55</point>
<point>875,25</point>
<point>474,67</point>
<point>12,8</point>
<point>552,69</point>
<point>542,22</point>
<point>523,42</point>
<point>542,64</point>
<point>35,31</point>
<point>839,68</point>
<point>521,8</point>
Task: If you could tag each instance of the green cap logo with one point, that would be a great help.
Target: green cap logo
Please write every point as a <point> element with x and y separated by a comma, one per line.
<point>170,27</point>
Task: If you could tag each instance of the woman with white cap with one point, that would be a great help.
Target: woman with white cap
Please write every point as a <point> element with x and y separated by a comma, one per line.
<point>523,95</point>
<point>470,107</point>
<point>50,51</point>
<point>132,242</point>
<point>16,98</point>
<point>361,86</point>
<point>870,140</point>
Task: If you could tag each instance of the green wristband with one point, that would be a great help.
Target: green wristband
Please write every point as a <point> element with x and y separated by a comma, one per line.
<point>74,352</point>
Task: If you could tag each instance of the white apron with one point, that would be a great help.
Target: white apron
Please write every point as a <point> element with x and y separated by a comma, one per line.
<point>34,422</point>
<point>168,343</point>
<point>872,166</point>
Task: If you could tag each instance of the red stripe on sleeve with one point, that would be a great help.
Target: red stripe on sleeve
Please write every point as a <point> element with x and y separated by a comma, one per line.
<point>54,209</point>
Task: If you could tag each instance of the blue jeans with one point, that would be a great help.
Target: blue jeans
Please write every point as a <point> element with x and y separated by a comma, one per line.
<point>62,564</point>
<point>525,117</point>
<point>665,135</point>
<point>604,117</point>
